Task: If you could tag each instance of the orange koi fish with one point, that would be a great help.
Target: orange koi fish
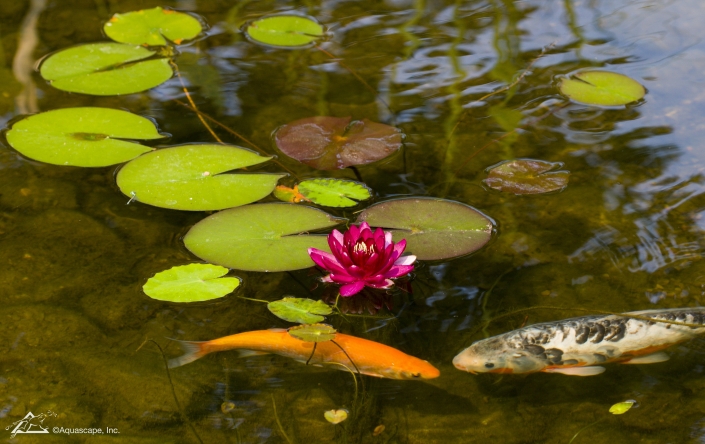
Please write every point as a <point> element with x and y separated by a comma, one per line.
<point>370,358</point>
<point>578,346</point>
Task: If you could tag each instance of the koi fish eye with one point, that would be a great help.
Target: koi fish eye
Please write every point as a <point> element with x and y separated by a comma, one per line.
<point>489,365</point>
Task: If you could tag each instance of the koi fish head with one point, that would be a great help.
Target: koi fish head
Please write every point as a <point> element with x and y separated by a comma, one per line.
<point>494,355</point>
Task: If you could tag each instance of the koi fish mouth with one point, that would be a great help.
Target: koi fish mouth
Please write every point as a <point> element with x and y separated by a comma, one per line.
<point>465,369</point>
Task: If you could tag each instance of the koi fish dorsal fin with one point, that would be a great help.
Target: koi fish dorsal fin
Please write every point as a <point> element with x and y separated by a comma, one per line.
<point>577,371</point>
<point>649,359</point>
<point>192,350</point>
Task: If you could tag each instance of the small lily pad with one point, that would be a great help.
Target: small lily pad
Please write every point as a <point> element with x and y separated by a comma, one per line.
<point>433,228</point>
<point>601,88</point>
<point>313,332</point>
<point>329,143</point>
<point>527,176</point>
<point>152,27</point>
<point>334,192</point>
<point>287,31</point>
<point>189,178</point>
<point>105,69</point>
<point>300,310</point>
<point>622,407</point>
<point>261,237</point>
<point>86,137</point>
<point>335,416</point>
<point>191,283</point>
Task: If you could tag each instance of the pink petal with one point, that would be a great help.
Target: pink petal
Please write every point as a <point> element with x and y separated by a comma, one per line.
<point>343,278</point>
<point>387,238</point>
<point>351,289</point>
<point>326,279</point>
<point>398,271</point>
<point>318,255</point>
<point>405,260</point>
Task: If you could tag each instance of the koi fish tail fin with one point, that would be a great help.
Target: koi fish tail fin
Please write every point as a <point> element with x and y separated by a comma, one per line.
<point>192,350</point>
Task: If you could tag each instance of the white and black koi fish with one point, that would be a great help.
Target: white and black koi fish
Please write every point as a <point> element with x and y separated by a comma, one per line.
<point>574,346</point>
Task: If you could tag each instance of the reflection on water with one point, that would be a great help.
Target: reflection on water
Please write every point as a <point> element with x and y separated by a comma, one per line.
<point>626,234</point>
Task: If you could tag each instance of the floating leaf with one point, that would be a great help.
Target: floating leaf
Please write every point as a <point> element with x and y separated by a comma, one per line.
<point>190,283</point>
<point>334,192</point>
<point>152,27</point>
<point>286,194</point>
<point>601,88</point>
<point>313,332</point>
<point>105,69</point>
<point>189,177</point>
<point>300,310</point>
<point>622,407</point>
<point>433,228</point>
<point>289,31</point>
<point>261,237</point>
<point>527,176</point>
<point>87,137</point>
<point>329,143</point>
<point>336,416</point>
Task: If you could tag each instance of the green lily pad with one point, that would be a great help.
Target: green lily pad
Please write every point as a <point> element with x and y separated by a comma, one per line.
<point>86,137</point>
<point>433,228</point>
<point>527,176</point>
<point>329,143</point>
<point>334,192</point>
<point>313,332</point>
<point>189,178</point>
<point>622,407</point>
<point>300,310</point>
<point>601,88</point>
<point>289,31</point>
<point>152,27</point>
<point>105,69</point>
<point>191,283</point>
<point>261,237</point>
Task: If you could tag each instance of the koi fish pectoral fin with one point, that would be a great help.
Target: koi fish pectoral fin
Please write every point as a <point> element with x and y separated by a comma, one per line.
<point>247,353</point>
<point>648,359</point>
<point>577,371</point>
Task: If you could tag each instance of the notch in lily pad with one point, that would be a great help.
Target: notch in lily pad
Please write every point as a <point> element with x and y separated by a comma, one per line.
<point>86,137</point>
<point>300,310</point>
<point>189,177</point>
<point>285,31</point>
<point>191,283</point>
<point>601,88</point>
<point>329,143</point>
<point>527,176</point>
<point>152,27</point>
<point>261,237</point>
<point>313,332</point>
<point>433,228</point>
<point>337,193</point>
<point>106,69</point>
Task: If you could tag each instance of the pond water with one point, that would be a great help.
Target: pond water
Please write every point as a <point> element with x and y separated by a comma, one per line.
<point>626,234</point>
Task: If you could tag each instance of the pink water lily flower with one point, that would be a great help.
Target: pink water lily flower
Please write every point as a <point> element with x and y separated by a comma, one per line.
<point>362,257</point>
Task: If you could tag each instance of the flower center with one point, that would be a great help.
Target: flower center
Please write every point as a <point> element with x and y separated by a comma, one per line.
<point>362,247</point>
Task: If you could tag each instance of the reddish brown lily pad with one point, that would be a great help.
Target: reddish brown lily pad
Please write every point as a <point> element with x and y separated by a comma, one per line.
<point>330,143</point>
<point>527,176</point>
